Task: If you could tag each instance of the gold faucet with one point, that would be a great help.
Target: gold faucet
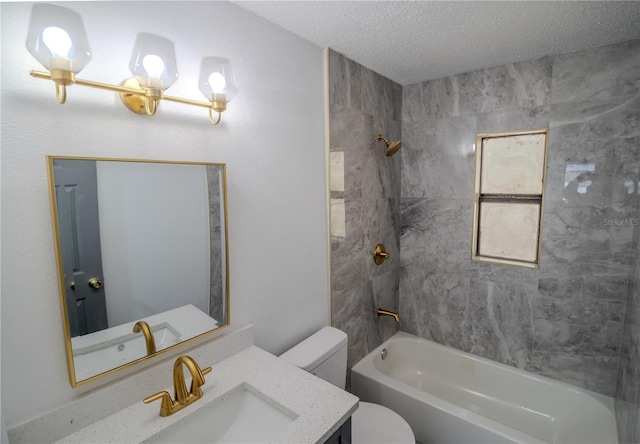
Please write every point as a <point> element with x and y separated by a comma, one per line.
<point>182,397</point>
<point>142,326</point>
<point>393,314</point>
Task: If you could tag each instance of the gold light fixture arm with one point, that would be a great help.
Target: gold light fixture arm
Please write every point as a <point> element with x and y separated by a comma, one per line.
<point>135,97</point>
<point>61,93</point>
<point>211,117</point>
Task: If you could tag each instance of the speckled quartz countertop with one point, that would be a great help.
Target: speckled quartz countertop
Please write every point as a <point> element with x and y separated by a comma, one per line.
<point>321,408</point>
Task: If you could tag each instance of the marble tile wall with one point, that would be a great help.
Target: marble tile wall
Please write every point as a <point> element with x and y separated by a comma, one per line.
<point>566,319</point>
<point>628,387</point>
<point>365,202</point>
<point>217,300</point>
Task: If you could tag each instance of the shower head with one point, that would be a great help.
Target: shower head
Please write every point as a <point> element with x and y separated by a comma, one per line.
<point>392,147</point>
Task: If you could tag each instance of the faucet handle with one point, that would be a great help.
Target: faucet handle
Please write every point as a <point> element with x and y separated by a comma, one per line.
<point>166,405</point>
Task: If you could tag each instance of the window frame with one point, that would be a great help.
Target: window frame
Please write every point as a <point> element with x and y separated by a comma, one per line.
<point>479,197</point>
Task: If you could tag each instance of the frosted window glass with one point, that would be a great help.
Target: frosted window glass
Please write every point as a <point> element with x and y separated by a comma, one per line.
<point>509,230</point>
<point>513,164</point>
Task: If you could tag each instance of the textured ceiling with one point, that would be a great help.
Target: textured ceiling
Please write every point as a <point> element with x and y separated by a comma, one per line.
<point>414,41</point>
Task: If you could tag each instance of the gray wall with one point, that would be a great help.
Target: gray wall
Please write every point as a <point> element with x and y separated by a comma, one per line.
<point>564,320</point>
<point>628,388</point>
<point>362,105</point>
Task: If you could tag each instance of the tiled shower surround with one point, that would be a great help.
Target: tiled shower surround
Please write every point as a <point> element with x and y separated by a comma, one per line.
<point>577,318</point>
<point>564,320</point>
<point>363,104</point>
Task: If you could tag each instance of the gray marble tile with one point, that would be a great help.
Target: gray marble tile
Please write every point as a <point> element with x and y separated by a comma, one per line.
<point>350,130</point>
<point>344,82</point>
<point>411,303</point>
<point>514,120</point>
<point>436,233</point>
<point>628,388</point>
<point>578,326</point>
<point>396,97</point>
<point>440,302</point>
<point>594,160</point>
<point>372,337</point>
<point>353,221</point>
<point>579,292</point>
<point>578,240</point>
<point>577,310</point>
<point>383,219</point>
<point>348,316</point>
<point>606,288</point>
<point>391,100</point>
<point>633,298</point>
<point>412,106</point>
<point>372,92</point>
<point>501,320</point>
<point>385,295</point>
<point>517,85</point>
<point>627,418</point>
<point>612,288</point>
<point>438,158</point>
<point>440,98</point>
<point>348,269</point>
<point>389,168</point>
<point>593,373</point>
<point>338,81</point>
<point>504,274</point>
<point>362,105</point>
<point>608,74</point>
<point>355,84</point>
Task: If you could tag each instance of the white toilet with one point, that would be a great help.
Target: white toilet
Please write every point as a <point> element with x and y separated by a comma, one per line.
<point>324,354</point>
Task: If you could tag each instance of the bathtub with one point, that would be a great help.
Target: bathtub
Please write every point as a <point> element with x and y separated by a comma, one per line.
<point>448,396</point>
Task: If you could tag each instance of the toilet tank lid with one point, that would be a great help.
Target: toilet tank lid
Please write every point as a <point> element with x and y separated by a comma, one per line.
<point>314,350</point>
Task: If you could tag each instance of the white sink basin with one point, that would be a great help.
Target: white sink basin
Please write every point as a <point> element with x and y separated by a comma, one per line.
<point>240,416</point>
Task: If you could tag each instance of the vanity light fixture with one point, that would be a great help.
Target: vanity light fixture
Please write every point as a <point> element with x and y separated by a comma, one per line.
<point>57,39</point>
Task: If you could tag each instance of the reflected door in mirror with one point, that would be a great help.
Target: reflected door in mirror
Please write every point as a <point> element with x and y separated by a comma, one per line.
<point>77,203</point>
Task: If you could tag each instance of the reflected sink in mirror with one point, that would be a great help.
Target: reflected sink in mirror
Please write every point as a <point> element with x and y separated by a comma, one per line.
<point>243,415</point>
<point>106,355</point>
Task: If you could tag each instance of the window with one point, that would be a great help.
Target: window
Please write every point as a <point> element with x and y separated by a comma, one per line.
<point>509,187</point>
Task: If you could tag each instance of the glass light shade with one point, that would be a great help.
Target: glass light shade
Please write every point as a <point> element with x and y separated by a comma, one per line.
<point>153,61</point>
<point>57,38</point>
<point>216,77</point>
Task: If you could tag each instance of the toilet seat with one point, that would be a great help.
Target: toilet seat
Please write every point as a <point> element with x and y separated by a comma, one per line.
<point>373,423</point>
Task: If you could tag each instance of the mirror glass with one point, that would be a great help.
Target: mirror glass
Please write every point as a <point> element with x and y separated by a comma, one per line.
<point>137,240</point>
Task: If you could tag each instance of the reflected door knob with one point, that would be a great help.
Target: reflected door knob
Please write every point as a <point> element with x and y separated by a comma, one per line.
<point>95,283</point>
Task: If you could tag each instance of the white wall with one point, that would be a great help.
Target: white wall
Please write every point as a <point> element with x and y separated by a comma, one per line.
<point>154,236</point>
<point>272,139</point>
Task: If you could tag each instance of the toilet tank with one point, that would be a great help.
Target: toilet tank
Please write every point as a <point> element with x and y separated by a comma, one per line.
<point>323,354</point>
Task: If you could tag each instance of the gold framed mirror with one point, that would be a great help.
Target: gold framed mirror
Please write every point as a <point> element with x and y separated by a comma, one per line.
<point>142,256</point>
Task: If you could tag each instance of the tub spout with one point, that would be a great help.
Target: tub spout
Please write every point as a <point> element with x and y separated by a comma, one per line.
<point>393,314</point>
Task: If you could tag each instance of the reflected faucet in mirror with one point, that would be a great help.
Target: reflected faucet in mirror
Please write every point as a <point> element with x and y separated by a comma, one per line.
<point>183,398</point>
<point>149,340</point>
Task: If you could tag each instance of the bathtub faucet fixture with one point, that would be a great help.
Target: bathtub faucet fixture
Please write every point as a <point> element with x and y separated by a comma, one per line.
<point>393,314</point>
